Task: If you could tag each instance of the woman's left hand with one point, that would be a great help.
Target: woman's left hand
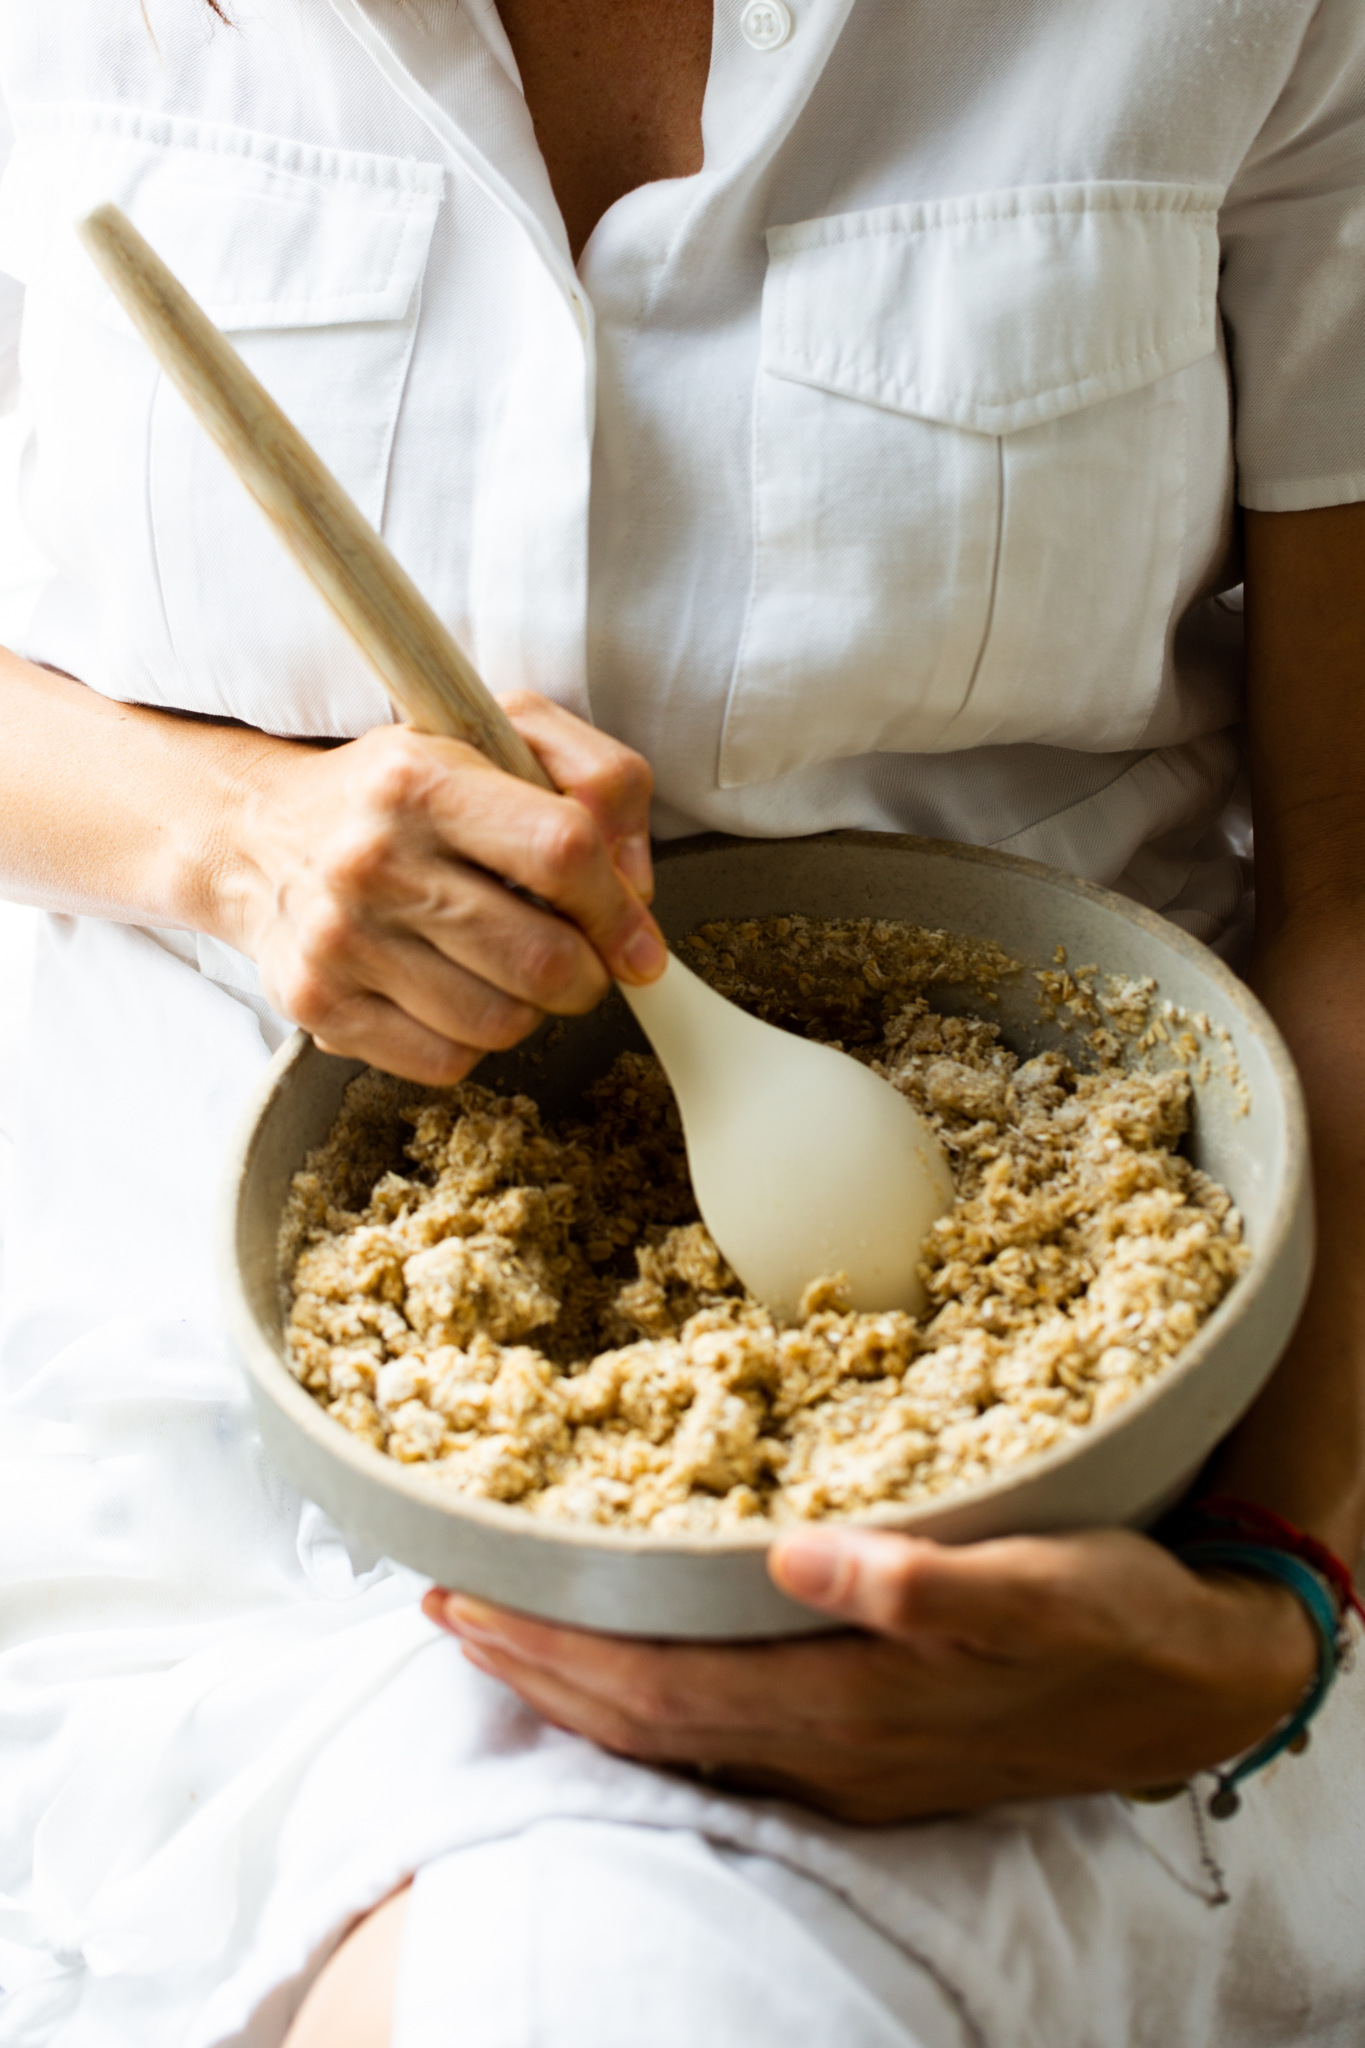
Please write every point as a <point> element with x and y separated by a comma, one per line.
<point>1014,1669</point>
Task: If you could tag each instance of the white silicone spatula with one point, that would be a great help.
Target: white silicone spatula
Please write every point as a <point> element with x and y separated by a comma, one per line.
<point>804,1162</point>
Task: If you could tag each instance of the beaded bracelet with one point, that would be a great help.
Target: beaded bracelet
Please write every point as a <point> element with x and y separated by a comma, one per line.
<point>1240,1536</point>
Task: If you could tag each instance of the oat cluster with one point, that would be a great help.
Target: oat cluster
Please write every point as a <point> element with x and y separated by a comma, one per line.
<point>536,1311</point>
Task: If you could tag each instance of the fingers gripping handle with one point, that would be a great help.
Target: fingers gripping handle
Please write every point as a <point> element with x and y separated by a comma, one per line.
<point>416,657</point>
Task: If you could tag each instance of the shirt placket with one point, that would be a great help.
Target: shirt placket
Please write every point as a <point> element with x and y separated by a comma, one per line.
<point>459,77</point>
<point>529,575</point>
<point>674,271</point>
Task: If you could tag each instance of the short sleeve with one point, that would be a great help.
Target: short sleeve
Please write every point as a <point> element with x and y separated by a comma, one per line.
<point>1293,282</point>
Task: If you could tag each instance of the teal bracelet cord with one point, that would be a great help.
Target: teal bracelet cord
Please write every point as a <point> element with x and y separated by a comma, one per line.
<point>1313,1590</point>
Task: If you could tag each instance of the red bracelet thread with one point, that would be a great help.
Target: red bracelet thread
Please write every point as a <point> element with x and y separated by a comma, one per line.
<point>1222,1511</point>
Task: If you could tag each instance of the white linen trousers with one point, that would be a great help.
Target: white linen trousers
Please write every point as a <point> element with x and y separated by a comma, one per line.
<point>222,1735</point>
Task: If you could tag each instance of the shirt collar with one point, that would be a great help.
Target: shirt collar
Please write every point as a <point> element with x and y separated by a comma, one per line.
<point>452,64</point>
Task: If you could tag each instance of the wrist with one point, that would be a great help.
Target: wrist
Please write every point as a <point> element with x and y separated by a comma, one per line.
<point>227,878</point>
<point>1259,1654</point>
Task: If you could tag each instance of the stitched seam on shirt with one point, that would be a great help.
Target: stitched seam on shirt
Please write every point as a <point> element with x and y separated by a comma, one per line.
<point>411,219</point>
<point>1178,202</point>
<point>845,366</point>
<point>353,301</point>
<point>1000,487</point>
<point>1144,758</point>
<point>734,696</point>
<point>412,320</point>
<point>1344,487</point>
<point>217,140</point>
<point>1078,803</point>
<point>311,164</point>
<point>341,308</point>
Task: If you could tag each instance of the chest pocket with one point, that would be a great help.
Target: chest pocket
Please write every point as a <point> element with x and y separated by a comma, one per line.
<point>312,260</point>
<point>969,473</point>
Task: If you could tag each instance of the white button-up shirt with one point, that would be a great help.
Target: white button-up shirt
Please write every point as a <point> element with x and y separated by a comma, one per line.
<point>881,474</point>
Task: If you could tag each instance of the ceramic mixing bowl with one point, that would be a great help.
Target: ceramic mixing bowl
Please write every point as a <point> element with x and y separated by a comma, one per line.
<point>1248,1132</point>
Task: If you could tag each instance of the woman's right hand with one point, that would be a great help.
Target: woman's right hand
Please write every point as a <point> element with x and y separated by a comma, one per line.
<point>368,886</point>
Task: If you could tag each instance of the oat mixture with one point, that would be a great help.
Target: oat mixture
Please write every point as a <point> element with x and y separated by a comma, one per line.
<point>535,1308</point>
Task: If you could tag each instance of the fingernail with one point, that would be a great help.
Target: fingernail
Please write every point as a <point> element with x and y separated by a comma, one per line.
<point>645,953</point>
<point>810,1568</point>
<point>471,1617</point>
<point>635,862</point>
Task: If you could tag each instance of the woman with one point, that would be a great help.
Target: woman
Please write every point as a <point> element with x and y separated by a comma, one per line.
<point>830,407</point>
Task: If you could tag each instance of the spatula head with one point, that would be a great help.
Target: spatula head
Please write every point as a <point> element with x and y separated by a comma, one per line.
<point>805,1163</point>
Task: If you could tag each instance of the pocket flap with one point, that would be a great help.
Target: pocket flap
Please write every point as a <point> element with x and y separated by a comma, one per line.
<point>263,231</point>
<point>1000,310</point>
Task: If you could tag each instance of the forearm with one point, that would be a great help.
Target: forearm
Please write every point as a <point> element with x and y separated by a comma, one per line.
<point>120,812</point>
<point>364,880</point>
<point>1302,1448</point>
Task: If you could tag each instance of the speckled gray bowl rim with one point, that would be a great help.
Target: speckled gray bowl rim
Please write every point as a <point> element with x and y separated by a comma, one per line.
<point>268,1367</point>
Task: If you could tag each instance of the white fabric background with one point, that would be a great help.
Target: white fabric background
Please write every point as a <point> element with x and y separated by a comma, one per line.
<point>22,572</point>
<point>17,935</point>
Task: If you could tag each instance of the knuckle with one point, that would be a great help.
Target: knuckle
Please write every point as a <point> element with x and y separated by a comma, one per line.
<point>526,703</point>
<point>624,781</point>
<point>500,1023</point>
<point>355,864</point>
<point>397,771</point>
<point>892,1593</point>
<point>451,1063</point>
<point>883,1584</point>
<point>327,938</point>
<point>566,842</point>
<point>551,966</point>
<point>654,1706</point>
<point>310,998</point>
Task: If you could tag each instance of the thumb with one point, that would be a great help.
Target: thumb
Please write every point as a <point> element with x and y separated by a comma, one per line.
<point>866,1577</point>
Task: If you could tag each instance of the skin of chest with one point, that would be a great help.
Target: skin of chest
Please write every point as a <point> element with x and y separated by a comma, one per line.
<point>615,88</point>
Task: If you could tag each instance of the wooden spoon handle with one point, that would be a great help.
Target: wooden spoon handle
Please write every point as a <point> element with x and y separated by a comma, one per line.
<point>417,659</point>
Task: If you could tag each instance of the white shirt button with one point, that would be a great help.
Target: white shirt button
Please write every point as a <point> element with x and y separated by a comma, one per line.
<point>765,24</point>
